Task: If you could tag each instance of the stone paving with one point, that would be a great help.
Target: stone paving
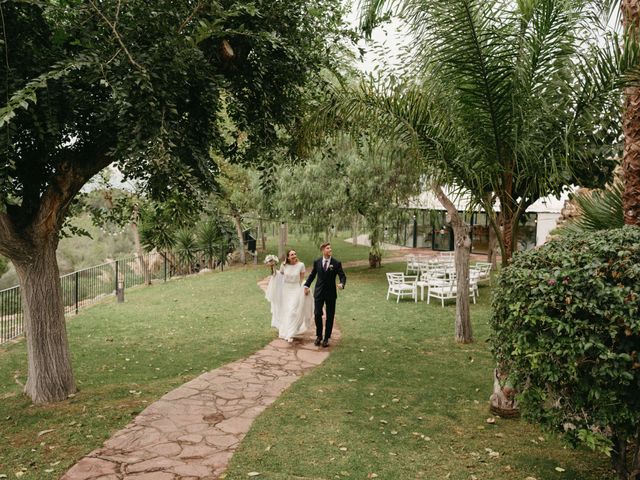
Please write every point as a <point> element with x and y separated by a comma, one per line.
<point>192,431</point>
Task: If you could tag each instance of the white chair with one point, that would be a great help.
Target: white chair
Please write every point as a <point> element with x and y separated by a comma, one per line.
<point>423,280</point>
<point>429,270</point>
<point>474,276</point>
<point>441,288</point>
<point>412,264</point>
<point>484,271</point>
<point>447,255</point>
<point>446,288</point>
<point>402,285</point>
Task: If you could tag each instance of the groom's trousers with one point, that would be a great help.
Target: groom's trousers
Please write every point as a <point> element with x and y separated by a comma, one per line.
<point>330,304</point>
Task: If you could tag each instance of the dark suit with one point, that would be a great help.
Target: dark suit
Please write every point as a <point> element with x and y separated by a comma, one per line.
<point>325,292</point>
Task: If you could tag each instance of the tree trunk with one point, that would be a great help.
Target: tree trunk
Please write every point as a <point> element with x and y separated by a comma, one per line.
<point>502,401</point>
<point>631,126</point>
<point>492,254</point>
<point>139,252</point>
<point>375,252</point>
<point>50,376</point>
<point>261,234</point>
<point>238,223</point>
<point>464,333</point>
<point>462,241</point>
<point>507,235</point>
<point>354,230</point>
<point>281,242</point>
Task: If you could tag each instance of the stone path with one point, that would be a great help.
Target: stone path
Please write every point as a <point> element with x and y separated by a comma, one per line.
<point>192,431</point>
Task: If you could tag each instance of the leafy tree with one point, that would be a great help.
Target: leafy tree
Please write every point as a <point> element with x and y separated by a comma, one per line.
<point>347,178</point>
<point>186,249</point>
<point>212,237</point>
<point>116,206</point>
<point>140,84</point>
<point>531,90</point>
<point>234,196</point>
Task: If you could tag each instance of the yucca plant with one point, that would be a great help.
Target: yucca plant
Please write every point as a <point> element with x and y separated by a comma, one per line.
<point>186,249</point>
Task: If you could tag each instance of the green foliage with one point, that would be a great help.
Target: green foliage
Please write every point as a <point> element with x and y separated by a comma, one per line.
<point>567,330</point>
<point>143,84</point>
<point>348,178</point>
<point>210,235</point>
<point>4,265</point>
<point>186,248</point>
<point>508,100</point>
<point>599,210</point>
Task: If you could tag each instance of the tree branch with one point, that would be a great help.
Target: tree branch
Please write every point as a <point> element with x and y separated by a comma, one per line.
<point>190,17</point>
<point>113,28</point>
<point>10,242</point>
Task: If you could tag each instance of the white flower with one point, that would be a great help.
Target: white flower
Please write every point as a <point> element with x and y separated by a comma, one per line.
<point>271,259</point>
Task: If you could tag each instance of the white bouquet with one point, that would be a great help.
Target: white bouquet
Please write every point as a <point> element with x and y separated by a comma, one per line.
<point>272,261</point>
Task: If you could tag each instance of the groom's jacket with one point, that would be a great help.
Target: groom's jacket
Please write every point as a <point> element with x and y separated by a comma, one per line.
<point>326,282</point>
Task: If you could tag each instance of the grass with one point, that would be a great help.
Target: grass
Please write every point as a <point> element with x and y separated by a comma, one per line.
<point>126,356</point>
<point>400,399</point>
<point>397,397</point>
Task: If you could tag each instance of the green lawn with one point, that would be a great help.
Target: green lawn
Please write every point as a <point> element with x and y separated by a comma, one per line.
<point>397,397</point>
<point>126,356</point>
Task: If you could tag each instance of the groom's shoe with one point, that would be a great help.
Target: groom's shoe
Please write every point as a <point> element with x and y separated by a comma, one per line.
<point>317,341</point>
<point>325,343</point>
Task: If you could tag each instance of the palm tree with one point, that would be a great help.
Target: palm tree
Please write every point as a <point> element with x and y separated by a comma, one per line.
<point>209,235</point>
<point>599,210</point>
<point>631,122</point>
<point>508,100</point>
<point>531,88</point>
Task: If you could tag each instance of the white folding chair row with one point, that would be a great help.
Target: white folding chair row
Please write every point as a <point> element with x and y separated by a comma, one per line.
<point>484,270</point>
<point>444,288</point>
<point>414,262</point>
<point>402,285</point>
<point>411,264</point>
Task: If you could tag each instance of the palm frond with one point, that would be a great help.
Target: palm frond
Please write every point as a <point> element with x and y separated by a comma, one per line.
<point>469,43</point>
<point>599,210</point>
<point>371,14</point>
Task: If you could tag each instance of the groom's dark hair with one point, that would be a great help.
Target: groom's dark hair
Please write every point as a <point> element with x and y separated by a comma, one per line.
<point>325,244</point>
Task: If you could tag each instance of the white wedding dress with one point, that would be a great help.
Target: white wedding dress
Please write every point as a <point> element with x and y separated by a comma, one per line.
<point>291,309</point>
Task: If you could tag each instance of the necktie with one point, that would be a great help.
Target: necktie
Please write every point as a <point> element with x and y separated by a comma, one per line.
<point>325,265</point>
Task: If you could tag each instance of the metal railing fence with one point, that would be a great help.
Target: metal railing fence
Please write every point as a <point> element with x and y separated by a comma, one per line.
<point>90,285</point>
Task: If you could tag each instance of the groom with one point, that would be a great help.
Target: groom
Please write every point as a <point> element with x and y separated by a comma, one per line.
<point>327,269</point>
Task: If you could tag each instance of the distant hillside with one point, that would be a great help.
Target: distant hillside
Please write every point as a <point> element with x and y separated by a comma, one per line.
<point>77,252</point>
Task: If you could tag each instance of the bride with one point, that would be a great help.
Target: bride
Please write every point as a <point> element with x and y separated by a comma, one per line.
<point>291,310</point>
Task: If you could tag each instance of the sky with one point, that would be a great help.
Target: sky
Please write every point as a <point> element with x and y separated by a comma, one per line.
<point>386,42</point>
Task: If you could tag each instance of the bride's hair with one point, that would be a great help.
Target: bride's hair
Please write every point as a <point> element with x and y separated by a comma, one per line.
<point>286,258</point>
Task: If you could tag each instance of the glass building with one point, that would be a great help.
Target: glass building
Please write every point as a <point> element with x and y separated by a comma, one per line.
<point>423,224</point>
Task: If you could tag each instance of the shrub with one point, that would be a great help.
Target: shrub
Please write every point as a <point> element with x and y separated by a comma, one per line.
<point>566,329</point>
